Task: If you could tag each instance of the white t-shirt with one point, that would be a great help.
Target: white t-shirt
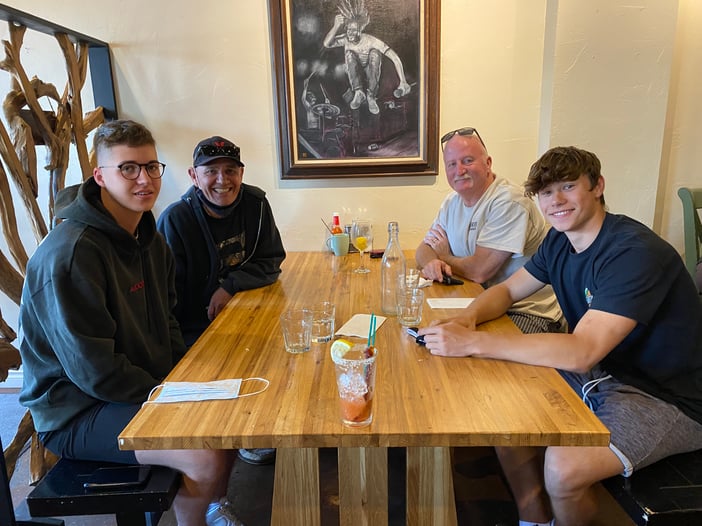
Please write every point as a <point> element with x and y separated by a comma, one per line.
<point>502,219</point>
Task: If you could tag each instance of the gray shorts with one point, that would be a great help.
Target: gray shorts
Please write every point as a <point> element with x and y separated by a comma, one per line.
<point>532,324</point>
<point>643,428</point>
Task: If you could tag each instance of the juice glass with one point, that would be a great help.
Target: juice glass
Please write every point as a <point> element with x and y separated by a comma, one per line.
<point>355,379</point>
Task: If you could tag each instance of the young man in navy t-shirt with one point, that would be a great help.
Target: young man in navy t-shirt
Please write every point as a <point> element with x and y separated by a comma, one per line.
<point>634,349</point>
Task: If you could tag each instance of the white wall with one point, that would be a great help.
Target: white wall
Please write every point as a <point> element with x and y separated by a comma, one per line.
<point>618,79</point>
<point>682,155</point>
<point>189,70</point>
<point>610,92</point>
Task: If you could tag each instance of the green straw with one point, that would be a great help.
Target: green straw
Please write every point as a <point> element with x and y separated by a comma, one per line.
<point>371,330</point>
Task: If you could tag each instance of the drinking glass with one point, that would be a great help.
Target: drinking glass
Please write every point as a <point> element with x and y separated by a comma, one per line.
<point>355,379</point>
<point>362,238</point>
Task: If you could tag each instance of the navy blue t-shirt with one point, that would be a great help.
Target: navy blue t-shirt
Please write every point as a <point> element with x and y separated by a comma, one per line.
<point>630,271</point>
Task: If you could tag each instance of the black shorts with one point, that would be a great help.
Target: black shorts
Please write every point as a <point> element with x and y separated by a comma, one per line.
<point>92,435</point>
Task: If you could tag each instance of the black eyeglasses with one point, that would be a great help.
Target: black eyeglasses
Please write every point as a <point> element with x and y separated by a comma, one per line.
<point>210,150</point>
<point>461,131</point>
<point>131,170</point>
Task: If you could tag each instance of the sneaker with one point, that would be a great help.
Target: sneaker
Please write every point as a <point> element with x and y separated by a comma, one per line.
<point>221,514</point>
<point>373,105</point>
<point>257,456</point>
<point>358,98</point>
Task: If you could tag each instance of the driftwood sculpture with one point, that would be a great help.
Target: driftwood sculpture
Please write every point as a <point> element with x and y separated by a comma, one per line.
<point>30,125</point>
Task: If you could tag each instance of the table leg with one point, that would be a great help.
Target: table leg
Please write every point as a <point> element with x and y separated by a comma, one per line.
<point>296,488</point>
<point>430,497</point>
<point>363,486</point>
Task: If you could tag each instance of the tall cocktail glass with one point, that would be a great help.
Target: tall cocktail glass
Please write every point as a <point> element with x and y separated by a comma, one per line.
<point>355,380</point>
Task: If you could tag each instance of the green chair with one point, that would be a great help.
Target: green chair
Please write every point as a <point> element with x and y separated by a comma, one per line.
<point>692,227</point>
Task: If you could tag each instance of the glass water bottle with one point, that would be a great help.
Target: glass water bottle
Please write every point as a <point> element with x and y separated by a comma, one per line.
<point>392,266</point>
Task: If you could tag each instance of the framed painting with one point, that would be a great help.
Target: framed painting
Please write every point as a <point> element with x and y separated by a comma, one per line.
<point>357,84</point>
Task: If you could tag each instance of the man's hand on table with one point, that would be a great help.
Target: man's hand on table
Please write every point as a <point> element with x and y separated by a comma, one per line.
<point>435,270</point>
<point>453,338</point>
<point>217,302</point>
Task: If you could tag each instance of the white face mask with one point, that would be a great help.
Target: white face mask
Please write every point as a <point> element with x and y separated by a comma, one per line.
<point>172,392</point>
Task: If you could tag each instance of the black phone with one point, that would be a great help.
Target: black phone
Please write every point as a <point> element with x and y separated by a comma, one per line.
<point>450,280</point>
<point>412,331</point>
<point>118,477</point>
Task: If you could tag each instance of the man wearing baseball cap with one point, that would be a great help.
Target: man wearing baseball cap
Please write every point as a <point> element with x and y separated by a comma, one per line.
<point>223,236</point>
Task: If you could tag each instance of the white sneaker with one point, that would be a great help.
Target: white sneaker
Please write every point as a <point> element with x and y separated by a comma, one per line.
<point>372,105</point>
<point>358,98</point>
<point>221,514</point>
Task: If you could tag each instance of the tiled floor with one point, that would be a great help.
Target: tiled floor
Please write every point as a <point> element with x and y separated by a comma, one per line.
<point>481,496</point>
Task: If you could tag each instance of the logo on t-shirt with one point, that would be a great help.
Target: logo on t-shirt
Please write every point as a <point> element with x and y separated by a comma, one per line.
<point>231,253</point>
<point>588,297</point>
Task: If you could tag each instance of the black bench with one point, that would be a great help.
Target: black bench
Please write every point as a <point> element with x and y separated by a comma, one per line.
<point>61,493</point>
<point>667,493</point>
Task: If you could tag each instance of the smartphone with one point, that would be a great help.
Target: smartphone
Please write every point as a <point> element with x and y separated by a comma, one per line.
<point>450,280</point>
<point>412,331</point>
<point>118,477</point>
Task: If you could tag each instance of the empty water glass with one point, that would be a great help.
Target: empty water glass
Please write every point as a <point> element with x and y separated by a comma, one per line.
<point>296,325</point>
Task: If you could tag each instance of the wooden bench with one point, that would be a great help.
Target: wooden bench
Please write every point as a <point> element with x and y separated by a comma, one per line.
<point>61,493</point>
<point>667,493</point>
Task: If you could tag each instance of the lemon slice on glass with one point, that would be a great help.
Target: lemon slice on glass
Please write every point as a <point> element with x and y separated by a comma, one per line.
<point>361,243</point>
<point>340,347</point>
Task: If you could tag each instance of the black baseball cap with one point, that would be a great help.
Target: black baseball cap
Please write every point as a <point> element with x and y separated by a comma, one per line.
<point>216,148</point>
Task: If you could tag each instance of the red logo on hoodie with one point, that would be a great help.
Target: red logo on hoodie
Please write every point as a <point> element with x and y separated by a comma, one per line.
<point>137,286</point>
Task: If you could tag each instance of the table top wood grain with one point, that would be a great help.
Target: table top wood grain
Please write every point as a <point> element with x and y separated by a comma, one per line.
<point>421,400</point>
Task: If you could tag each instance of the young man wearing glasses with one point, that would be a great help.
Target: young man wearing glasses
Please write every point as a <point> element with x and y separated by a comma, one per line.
<point>97,323</point>
<point>634,351</point>
<point>485,230</point>
<point>224,239</point>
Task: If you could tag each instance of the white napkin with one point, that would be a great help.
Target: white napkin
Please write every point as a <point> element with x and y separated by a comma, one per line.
<point>449,303</point>
<point>424,282</point>
<point>359,325</point>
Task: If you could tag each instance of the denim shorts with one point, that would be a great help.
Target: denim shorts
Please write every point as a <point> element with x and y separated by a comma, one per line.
<point>643,429</point>
<point>92,435</point>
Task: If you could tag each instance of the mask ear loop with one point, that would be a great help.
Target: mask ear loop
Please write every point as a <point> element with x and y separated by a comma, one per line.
<point>148,397</point>
<point>267,382</point>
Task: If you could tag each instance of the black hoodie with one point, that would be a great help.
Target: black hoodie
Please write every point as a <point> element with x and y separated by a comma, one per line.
<point>184,225</point>
<point>96,314</point>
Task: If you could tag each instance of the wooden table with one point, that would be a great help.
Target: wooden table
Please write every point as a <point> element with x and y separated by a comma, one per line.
<point>422,402</point>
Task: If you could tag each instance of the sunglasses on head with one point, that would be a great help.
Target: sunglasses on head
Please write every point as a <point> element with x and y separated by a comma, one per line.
<point>210,150</point>
<point>461,131</point>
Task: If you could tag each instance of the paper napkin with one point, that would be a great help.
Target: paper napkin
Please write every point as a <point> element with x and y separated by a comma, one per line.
<point>358,325</point>
<point>449,303</point>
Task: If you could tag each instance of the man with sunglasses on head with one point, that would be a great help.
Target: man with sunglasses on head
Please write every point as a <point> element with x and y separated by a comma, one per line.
<point>224,239</point>
<point>97,326</point>
<point>485,230</point>
<point>634,351</point>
